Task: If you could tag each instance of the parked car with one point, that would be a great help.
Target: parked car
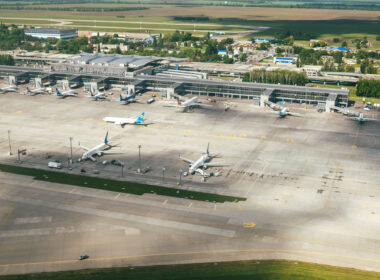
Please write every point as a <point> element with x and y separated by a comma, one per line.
<point>83,257</point>
<point>53,164</point>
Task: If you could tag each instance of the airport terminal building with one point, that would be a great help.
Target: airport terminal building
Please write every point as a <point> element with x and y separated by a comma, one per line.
<point>52,33</point>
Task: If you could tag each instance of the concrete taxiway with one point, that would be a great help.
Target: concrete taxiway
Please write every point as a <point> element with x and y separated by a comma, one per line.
<point>312,185</point>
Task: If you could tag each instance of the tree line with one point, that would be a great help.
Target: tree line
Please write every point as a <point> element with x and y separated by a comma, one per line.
<point>275,77</point>
<point>6,59</point>
<point>368,88</point>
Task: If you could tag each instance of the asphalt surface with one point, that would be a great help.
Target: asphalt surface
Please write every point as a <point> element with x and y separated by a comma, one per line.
<point>312,185</point>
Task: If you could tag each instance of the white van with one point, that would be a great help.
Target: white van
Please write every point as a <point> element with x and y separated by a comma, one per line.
<point>54,164</point>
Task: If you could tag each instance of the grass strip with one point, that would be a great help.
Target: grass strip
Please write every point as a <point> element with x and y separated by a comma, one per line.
<point>114,185</point>
<point>242,270</point>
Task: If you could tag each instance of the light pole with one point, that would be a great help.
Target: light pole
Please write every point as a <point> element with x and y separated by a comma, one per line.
<point>9,142</point>
<point>163,174</point>
<point>71,150</point>
<point>180,176</point>
<point>139,171</point>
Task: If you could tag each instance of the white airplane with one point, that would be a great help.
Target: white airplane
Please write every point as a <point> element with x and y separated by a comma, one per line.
<point>98,150</point>
<point>189,103</point>
<point>98,96</point>
<point>201,163</point>
<point>64,94</point>
<point>11,88</point>
<point>282,111</point>
<point>124,121</point>
<point>35,91</point>
<point>361,118</point>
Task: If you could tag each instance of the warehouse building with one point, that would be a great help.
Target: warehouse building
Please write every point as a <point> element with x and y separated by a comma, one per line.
<point>52,33</point>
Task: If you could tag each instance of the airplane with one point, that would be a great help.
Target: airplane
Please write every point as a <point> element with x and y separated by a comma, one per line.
<point>201,163</point>
<point>282,111</point>
<point>361,118</point>
<point>8,89</point>
<point>189,103</point>
<point>123,121</point>
<point>347,112</point>
<point>11,88</point>
<point>64,94</point>
<point>99,150</point>
<point>98,96</point>
<point>128,99</point>
<point>35,91</point>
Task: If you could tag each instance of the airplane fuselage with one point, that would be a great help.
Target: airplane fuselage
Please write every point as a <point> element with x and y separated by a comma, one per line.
<point>198,163</point>
<point>94,151</point>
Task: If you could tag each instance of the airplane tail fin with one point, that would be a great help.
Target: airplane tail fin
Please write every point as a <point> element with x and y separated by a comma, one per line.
<point>121,98</point>
<point>208,146</point>
<point>28,90</point>
<point>58,93</point>
<point>178,100</point>
<point>106,139</point>
<point>140,118</point>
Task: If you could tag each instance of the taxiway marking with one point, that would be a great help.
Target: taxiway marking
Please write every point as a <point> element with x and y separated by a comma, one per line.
<point>19,112</point>
<point>249,225</point>
<point>243,135</point>
<point>89,119</point>
<point>71,191</point>
<point>53,116</point>
<point>117,196</point>
<point>169,127</point>
<point>164,203</point>
<point>33,183</point>
<point>101,123</point>
<point>189,206</point>
<point>289,140</point>
<point>219,135</point>
<point>239,206</point>
<point>263,137</point>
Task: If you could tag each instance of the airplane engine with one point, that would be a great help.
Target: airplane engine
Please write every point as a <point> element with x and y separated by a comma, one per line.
<point>100,154</point>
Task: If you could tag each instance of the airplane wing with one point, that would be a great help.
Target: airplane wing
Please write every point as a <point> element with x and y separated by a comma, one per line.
<point>84,148</point>
<point>201,104</point>
<point>92,158</point>
<point>363,120</point>
<point>202,173</point>
<point>294,114</point>
<point>186,160</point>
<point>110,153</point>
<point>215,164</point>
<point>120,121</point>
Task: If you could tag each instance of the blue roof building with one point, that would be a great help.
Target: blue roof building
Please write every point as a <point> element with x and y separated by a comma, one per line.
<point>264,40</point>
<point>283,60</point>
<point>341,49</point>
<point>222,52</point>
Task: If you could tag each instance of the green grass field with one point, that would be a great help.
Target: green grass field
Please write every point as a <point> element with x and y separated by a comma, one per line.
<point>241,270</point>
<point>114,185</point>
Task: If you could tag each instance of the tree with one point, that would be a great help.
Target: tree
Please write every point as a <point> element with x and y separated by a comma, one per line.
<point>6,60</point>
<point>336,40</point>
<point>344,44</point>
